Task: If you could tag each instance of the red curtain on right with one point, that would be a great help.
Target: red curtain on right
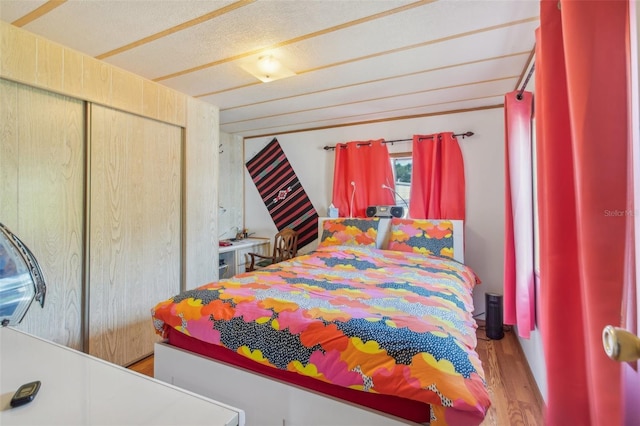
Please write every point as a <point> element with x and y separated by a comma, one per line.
<point>581,118</point>
<point>437,178</point>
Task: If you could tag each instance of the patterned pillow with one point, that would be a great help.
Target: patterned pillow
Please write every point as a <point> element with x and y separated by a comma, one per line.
<point>422,236</point>
<point>350,232</point>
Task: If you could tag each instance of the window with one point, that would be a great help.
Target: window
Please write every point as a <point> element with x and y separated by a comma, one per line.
<point>401,164</point>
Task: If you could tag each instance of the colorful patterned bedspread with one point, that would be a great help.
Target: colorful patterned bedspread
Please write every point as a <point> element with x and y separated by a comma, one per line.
<point>375,320</point>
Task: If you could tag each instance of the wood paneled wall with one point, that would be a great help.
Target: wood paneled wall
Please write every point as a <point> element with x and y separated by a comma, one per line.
<point>42,199</point>
<point>33,60</point>
<point>50,217</point>
<point>201,193</point>
<point>231,185</point>
<point>135,230</point>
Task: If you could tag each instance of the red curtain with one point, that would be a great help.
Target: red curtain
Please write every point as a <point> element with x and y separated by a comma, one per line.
<point>360,170</point>
<point>519,279</point>
<point>581,117</point>
<point>631,297</point>
<point>437,178</point>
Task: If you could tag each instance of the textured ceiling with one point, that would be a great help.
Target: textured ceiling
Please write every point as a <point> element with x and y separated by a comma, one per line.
<point>356,60</point>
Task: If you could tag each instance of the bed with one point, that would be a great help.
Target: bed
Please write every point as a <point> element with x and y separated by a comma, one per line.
<point>369,335</point>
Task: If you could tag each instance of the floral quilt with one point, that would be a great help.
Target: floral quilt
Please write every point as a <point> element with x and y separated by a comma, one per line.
<point>375,320</point>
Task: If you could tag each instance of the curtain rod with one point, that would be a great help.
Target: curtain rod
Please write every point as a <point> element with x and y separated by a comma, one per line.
<point>526,81</point>
<point>464,135</point>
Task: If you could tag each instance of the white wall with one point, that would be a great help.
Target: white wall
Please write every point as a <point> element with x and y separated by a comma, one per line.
<point>484,171</point>
<point>533,352</point>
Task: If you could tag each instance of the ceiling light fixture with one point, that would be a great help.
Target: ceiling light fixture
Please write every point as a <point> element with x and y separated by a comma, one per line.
<point>266,68</point>
<point>268,64</point>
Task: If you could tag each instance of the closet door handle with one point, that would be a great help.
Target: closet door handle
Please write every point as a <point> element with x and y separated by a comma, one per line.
<point>620,344</point>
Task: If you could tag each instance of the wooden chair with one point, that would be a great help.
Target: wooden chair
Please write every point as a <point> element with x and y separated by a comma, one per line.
<point>285,246</point>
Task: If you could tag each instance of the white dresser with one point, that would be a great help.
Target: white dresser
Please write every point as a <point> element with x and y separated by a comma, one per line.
<point>78,389</point>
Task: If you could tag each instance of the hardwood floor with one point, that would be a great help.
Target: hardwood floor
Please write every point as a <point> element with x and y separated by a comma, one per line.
<point>144,366</point>
<point>515,398</point>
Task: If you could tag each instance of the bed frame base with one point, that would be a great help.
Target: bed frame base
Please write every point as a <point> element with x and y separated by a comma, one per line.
<point>265,401</point>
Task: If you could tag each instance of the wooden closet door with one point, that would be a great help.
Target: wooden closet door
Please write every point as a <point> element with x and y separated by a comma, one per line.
<point>42,200</point>
<point>135,230</point>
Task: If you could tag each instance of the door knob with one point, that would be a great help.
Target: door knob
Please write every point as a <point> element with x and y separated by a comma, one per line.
<point>620,345</point>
